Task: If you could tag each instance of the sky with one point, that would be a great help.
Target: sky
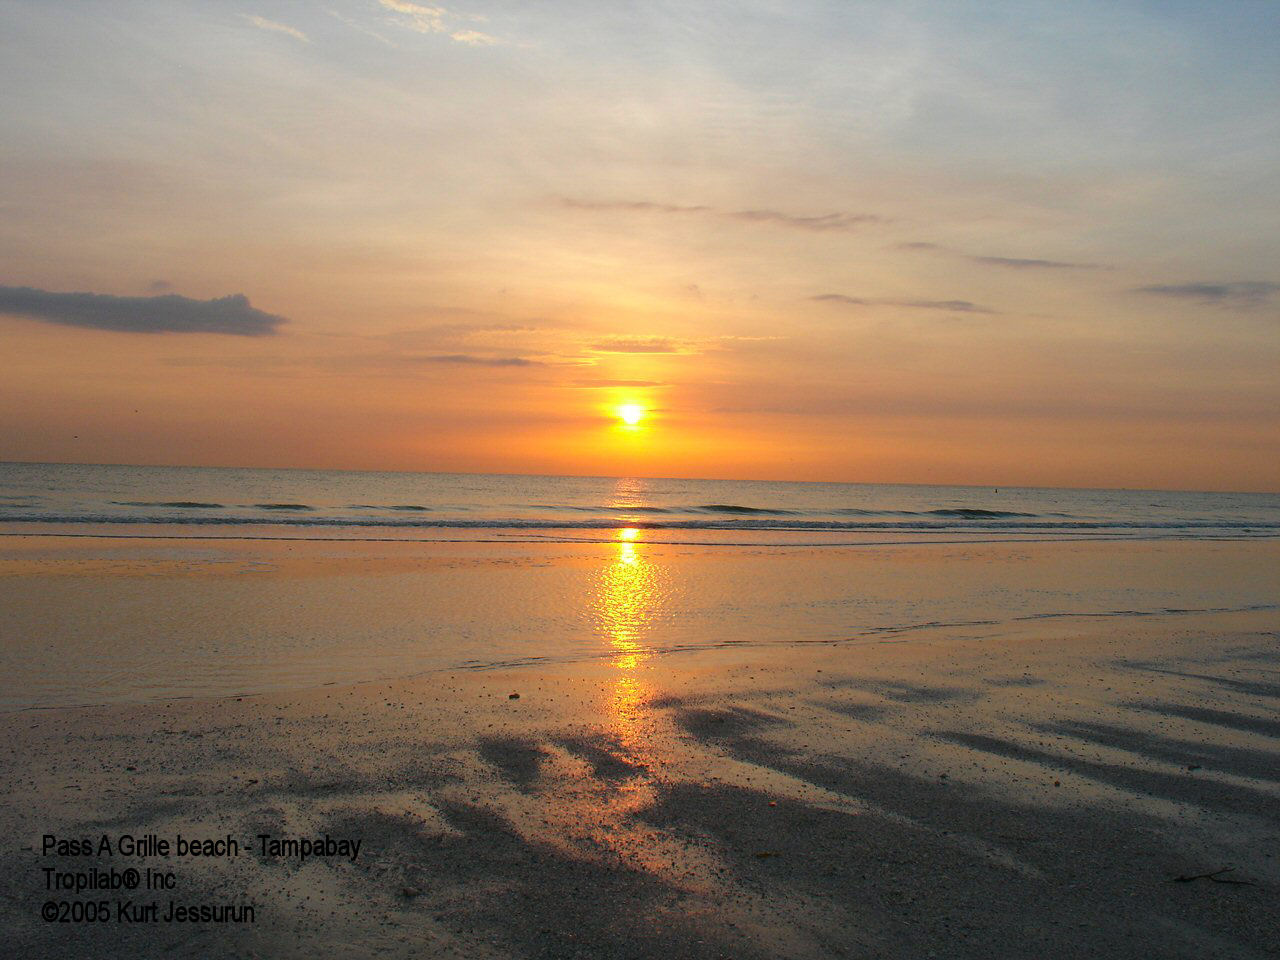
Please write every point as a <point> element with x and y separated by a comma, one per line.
<point>1013,243</point>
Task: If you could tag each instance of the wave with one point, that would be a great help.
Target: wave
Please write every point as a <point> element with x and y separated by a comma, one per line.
<point>975,512</point>
<point>170,504</point>
<point>599,508</point>
<point>613,512</point>
<point>304,516</point>
<point>402,507</point>
<point>735,508</point>
<point>740,509</point>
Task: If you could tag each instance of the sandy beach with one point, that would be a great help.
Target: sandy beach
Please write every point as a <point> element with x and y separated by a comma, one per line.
<point>1071,787</point>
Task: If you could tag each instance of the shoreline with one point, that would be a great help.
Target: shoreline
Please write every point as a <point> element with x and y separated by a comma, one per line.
<point>93,621</point>
<point>907,634</point>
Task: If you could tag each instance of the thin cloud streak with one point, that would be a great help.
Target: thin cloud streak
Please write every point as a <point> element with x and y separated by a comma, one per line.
<point>1023,263</point>
<point>954,306</point>
<point>470,358</point>
<point>1246,293</point>
<point>826,221</point>
<point>262,23</point>
<point>1015,263</point>
<point>624,345</point>
<point>818,222</point>
<point>639,205</point>
<point>619,383</point>
<point>473,38</point>
<point>170,313</point>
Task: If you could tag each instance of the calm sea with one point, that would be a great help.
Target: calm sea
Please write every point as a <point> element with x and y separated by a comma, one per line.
<point>314,504</point>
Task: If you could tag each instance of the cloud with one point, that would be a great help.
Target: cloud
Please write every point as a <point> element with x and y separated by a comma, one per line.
<point>637,345</point>
<point>953,306</point>
<point>418,16</point>
<point>819,222</point>
<point>826,221</point>
<point>1016,263</point>
<point>362,28</point>
<point>669,345</point>
<point>262,23</point>
<point>638,205</point>
<point>470,358</point>
<point>956,306</point>
<point>619,383</point>
<point>1247,293</point>
<point>473,38</point>
<point>164,314</point>
<point>1023,263</point>
<point>430,19</point>
<point>841,298</point>
<point>464,331</point>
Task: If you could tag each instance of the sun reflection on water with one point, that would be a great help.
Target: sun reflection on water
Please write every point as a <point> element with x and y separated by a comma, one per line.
<point>628,593</point>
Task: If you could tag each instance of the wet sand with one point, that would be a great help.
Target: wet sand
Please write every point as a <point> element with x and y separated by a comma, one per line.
<point>982,791</point>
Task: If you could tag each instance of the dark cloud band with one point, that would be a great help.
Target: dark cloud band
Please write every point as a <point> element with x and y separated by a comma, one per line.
<point>1249,293</point>
<point>1014,263</point>
<point>164,314</point>
<point>955,306</point>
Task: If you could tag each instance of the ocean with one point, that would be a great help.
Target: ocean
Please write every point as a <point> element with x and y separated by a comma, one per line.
<point>189,501</point>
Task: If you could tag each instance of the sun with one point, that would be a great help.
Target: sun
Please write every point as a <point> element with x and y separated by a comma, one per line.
<point>630,413</point>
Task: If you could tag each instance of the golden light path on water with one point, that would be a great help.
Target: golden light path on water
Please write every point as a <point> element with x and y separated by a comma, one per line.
<point>630,592</point>
<point>626,600</point>
<point>627,595</point>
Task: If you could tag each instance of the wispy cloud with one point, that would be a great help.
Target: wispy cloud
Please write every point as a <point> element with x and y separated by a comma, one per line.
<point>361,27</point>
<point>636,345</point>
<point>165,314</point>
<point>619,383</point>
<point>418,16</point>
<point>842,298</point>
<point>1247,293</point>
<point>955,306</point>
<point>464,331</point>
<point>952,306</point>
<point>1019,263</point>
<point>473,38</point>
<point>638,205</point>
<point>471,358</point>
<point>432,19</point>
<point>817,222</point>
<point>1016,263</point>
<point>825,221</point>
<point>262,23</point>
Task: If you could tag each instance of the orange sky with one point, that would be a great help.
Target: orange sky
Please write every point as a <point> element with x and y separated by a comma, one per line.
<point>838,244</point>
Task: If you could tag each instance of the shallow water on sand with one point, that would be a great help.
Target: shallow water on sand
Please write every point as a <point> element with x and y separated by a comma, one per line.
<point>101,620</point>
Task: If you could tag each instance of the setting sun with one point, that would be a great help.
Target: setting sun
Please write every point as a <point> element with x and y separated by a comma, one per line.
<point>630,413</point>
